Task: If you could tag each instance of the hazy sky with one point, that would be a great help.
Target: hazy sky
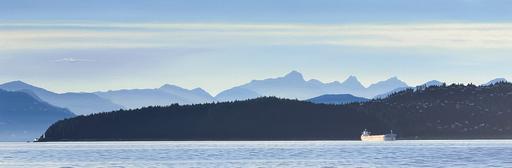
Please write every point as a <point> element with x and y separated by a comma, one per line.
<point>77,45</point>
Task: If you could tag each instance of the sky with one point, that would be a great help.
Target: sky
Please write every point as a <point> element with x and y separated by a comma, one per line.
<point>76,45</point>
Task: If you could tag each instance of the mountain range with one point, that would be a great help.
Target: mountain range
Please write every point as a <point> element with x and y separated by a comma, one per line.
<point>427,84</point>
<point>292,86</point>
<point>78,103</point>
<point>24,117</point>
<point>165,95</point>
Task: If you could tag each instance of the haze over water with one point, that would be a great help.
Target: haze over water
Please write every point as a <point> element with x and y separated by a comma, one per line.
<point>446,153</point>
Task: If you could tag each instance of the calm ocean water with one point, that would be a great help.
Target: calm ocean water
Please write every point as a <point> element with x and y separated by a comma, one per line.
<point>472,153</point>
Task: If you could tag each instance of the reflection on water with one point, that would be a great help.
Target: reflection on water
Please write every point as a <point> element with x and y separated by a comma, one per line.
<point>473,153</point>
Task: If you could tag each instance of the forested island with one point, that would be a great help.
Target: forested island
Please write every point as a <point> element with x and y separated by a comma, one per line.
<point>437,112</point>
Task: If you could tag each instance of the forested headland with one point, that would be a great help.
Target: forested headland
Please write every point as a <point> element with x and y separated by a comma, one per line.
<point>437,112</point>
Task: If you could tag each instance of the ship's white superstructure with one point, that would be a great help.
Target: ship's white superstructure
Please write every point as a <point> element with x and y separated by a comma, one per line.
<point>366,136</point>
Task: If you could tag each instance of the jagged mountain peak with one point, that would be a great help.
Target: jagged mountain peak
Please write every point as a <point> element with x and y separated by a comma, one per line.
<point>294,75</point>
<point>351,79</point>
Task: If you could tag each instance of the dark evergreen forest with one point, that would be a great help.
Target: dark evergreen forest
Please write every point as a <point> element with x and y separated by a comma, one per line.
<point>436,112</point>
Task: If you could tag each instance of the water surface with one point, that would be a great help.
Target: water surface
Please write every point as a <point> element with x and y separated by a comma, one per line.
<point>472,153</point>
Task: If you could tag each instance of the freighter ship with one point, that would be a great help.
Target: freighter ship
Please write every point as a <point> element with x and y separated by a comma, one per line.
<point>366,136</point>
